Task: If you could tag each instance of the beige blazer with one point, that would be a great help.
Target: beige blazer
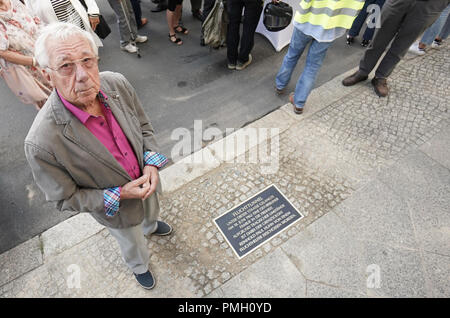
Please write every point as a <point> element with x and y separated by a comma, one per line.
<point>72,167</point>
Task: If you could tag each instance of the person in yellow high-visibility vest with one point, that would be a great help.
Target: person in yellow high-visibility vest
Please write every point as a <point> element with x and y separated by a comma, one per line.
<point>318,22</point>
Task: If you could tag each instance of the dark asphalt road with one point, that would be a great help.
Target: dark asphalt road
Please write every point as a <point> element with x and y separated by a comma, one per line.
<point>177,85</point>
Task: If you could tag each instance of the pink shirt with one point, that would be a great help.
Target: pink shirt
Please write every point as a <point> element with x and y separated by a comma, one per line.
<point>110,134</point>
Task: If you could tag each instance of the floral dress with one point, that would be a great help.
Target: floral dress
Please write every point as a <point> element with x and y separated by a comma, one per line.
<point>18,33</point>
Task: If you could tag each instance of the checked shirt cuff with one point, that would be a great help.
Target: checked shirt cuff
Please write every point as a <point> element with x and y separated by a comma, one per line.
<point>154,159</point>
<point>111,199</point>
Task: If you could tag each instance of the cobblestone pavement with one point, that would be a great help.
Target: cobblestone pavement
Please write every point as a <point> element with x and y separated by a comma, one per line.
<point>323,160</point>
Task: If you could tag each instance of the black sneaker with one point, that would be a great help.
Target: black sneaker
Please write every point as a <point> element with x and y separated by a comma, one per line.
<point>231,66</point>
<point>146,280</point>
<point>163,229</point>
<point>240,66</point>
<point>365,43</point>
<point>350,39</point>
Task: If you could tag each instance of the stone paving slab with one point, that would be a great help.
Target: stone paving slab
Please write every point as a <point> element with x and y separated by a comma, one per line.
<point>327,252</point>
<point>69,233</point>
<point>320,290</point>
<point>20,259</point>
<point>424,186</point>
<point>375,213</point>
<point>438,148</point>
<point>400,271</point>
<point>437,269</point>
<point>272,276</point>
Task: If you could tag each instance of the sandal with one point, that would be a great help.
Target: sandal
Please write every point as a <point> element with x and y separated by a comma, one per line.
<point>183,29</point>
<point>177,41</point>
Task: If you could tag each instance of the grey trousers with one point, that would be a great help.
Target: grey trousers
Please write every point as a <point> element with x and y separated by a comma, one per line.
<point>131,240</point>
<point>402,22</point>
<point>125,31</point>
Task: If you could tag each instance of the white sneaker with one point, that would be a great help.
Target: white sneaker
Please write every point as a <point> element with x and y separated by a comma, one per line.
<point>130,48</point>
<point>436,44</point>
<point>415,49</point>
<point>141,39</point>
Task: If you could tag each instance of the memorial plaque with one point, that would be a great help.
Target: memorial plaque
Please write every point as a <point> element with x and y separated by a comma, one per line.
<point>257,220</point>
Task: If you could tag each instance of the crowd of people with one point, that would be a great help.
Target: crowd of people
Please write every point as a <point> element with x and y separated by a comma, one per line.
<point>401,23</point>
<point>92,148</point>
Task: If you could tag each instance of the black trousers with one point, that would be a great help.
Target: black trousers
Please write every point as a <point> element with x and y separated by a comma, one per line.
<point>196,5</point>
<point>208,5</point>
<point>402,22</point>
<point>136,4</point>
<point>252,12</point>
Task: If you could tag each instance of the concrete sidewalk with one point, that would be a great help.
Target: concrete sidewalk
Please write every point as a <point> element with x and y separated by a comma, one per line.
<point>371,175</point>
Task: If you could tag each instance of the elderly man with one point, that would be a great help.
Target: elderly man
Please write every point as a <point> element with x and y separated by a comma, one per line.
<point>91,147</point>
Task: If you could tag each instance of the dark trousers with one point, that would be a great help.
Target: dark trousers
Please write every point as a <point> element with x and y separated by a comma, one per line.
<point>136,4</point>
<point>208,5</point>
<point>402,21</point>
<point>361,18</point>
<point>252,12</point>
<point>196,5</point>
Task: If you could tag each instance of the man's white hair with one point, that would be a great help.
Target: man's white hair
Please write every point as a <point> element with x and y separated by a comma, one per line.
<point>56,32</point>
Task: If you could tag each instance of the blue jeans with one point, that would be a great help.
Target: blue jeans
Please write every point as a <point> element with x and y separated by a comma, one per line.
<point>434,30</point>
<point>445,30</point>
<point>314,59</point>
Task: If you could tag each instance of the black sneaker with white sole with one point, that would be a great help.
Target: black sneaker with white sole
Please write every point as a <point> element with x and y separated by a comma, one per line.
<point>146,280</point>
<point>163,229</point>
<point>240,66</point>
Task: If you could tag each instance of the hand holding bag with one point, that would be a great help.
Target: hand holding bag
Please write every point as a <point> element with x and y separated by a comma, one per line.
<point>102,29</point>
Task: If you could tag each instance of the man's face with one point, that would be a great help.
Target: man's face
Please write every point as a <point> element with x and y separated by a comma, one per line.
<point>81,86</point>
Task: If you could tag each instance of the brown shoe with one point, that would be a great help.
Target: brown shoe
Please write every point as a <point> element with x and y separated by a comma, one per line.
<point>354,78</point>
<point>297,110</point>
<point>380,86</point>
<point>279,91</point>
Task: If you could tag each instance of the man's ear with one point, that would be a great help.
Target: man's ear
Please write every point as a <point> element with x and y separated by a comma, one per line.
<point>47,76</point>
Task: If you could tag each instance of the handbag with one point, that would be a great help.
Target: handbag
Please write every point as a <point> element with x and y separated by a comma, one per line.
<point>102,29</point>
<point>215,25</point>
